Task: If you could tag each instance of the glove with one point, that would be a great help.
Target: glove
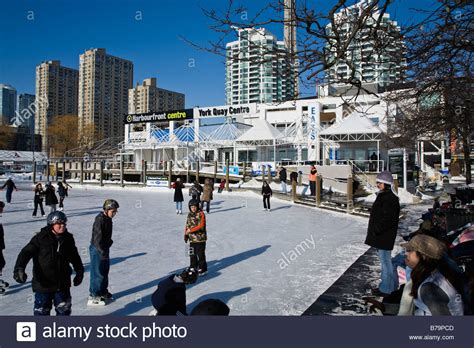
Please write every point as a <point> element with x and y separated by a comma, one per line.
<point>186,238</point>
<point>19,275</point>
<point>78,278</point>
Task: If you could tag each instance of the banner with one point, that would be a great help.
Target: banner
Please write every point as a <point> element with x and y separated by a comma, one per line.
<point>176,115</point>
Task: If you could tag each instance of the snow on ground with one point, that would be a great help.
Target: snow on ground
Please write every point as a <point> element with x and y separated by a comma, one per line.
<point>260,263</point>
<point>404,196</point>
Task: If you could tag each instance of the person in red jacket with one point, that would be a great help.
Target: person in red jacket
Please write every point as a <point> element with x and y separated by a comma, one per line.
<point>195,233</point>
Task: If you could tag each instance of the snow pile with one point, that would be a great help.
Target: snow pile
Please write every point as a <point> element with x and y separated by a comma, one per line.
<point>405,197</point>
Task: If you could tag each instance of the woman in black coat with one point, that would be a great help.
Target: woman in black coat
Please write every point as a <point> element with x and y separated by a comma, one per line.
<point>178,195</point>
<point>50,195</point>
<point>266,193</point>
<point>38,200</point>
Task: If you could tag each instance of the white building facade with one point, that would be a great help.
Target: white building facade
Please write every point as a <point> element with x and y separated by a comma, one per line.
<point>322,130</point>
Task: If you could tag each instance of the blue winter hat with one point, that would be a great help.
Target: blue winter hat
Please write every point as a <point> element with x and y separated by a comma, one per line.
<point>385,177</point>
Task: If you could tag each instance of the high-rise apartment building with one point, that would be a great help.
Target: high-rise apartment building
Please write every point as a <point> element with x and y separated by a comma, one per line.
<point>149,98</point>
<point>104,81</point>
<point>25,115</point>
<point>7,104</point>
<point>257,68</point>
<point>374,64</point>
<point>56,95</point>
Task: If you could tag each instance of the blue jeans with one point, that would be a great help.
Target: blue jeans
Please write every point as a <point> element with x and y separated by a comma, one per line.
<point>99,272</point>
<point>399,261</point>
<point>8,195</point>
<point>283,187</point>
<point>179,206</point>
<point>44,302</point>
<point>388,283</point>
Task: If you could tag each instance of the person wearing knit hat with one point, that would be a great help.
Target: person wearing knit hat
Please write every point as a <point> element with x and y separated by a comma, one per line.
<point>434,288</point>
<point>382,231</point>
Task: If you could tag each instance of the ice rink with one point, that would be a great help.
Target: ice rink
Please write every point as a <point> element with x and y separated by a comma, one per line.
<point>260,263</point>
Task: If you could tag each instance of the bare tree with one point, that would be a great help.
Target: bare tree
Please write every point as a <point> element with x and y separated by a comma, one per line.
<point>438,101</point>
<point>7,137</point>
<point>325,39</point>
<point>62,134</point>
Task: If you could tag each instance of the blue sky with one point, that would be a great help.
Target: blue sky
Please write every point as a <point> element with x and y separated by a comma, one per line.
<point>61,30</point>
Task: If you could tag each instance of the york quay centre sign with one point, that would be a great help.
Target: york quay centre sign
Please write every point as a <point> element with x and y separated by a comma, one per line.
<point>227,110</point>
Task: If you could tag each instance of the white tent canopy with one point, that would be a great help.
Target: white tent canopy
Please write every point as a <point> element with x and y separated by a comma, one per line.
<point>353,124</point>
<point>355,127</point>
<point>262,133</point>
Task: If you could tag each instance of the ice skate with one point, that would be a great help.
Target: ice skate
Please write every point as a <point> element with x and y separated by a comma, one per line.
<point>108,296</point>
<point>4,284</point>
<point>96,301</point>
<point>202,272</point>
<point>2,291</point>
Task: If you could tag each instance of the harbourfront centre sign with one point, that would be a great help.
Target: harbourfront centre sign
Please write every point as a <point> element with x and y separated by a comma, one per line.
<point>187,114</point>
<point>176,115</point>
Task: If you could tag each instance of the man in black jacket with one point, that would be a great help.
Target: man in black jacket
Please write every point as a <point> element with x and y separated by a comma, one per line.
<point>382,231</point>
<point>52,250</point>
<point>99,252</point>
<point>282,176</point>
<point>3,284</point>
<point>10,185</point>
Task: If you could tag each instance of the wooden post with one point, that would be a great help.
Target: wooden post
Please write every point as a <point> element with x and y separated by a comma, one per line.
<point>64,171</point>
<point>170,173</point>
<point>34,172</point>
<point>144,172</point>
<point>121,171</point>
<point>187,171</point>
<point>263,174</point>
<point>227,171</point>
<point>141,173</point>
<point>395,183</point>
<point>197,170</point>
<point>215,171</point>
<point>300,178</point>
<point>81,178</point>
<point>350,196</point>
<point>293,190</point>
<point>101,173</point>
<point>56,170</point>
<point>269,176</point>
<point>75,173</point>
<point>47,171</point>
<point>318,190</point>
<point>245,171</point>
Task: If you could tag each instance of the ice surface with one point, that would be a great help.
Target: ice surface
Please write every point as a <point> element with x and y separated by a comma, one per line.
<point>245,252</point>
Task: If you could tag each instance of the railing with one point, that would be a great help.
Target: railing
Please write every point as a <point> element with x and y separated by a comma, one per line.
<point>360,166</point>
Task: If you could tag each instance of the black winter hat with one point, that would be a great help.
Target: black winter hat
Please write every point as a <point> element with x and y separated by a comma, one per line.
<point>193,202</point>
<point>211,307</point>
